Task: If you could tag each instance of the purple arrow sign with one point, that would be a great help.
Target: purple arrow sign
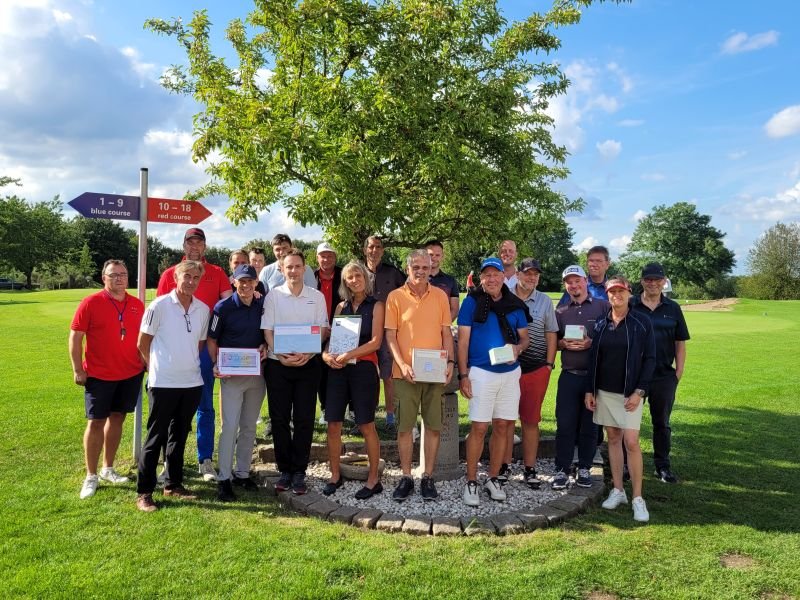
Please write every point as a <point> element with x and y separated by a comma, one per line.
<point>106,206</point>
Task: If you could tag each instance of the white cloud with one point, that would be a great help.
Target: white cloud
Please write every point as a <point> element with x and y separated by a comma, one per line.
<point>620,244</point>
<point>609,149</point>
<point>639,215</point>
<point>605,103</point>
<point>625,81</point>
<point>653,177</point>
<point>737,154</point>
<point>61,16</point>
<point>144,69</point>
<point>630,122</point>
<point>783,206</point>
<point>176,143</point>
<point>742,42</point>
<point>784,123</point>
<point>586,243</point>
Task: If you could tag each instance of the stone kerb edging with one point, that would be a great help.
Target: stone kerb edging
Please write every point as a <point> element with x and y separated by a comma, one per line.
<point>575,501</point>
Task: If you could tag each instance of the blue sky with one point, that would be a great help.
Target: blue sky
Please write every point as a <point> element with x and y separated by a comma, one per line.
<point>670,101</point>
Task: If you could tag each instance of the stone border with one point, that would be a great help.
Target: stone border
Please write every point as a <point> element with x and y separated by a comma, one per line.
<point>575,501</point>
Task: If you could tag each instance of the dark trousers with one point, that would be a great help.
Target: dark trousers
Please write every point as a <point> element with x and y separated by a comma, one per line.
<point>661,399</point>
<point>292,397</point>
<point>572,416</point>
<point>170,421</point>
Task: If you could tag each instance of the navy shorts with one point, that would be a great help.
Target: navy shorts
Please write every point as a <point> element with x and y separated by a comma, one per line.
<point>357,385</point>
<point>104,397</point>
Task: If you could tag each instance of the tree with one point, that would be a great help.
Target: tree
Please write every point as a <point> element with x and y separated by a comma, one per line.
<point>774,264</point>
<point>31,235</point>
<point>547,238</point>
<point>106,239</point>
<point>410,119</point>
<point>683,241</point>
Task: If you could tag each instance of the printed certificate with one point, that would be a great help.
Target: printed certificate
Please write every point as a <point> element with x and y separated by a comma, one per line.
<point>297,338</point>
<point>239,361</point>
<point>501,355</point>
<point>430,366</point>
<point>345,331</point>
<point>574,332</point>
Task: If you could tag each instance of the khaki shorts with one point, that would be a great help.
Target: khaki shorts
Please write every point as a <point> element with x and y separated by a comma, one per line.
<point>413,398</point>
<point>610,411</point>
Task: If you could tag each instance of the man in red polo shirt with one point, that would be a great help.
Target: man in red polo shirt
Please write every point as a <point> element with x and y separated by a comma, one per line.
<point>214,286</point>
<point>110,369</point>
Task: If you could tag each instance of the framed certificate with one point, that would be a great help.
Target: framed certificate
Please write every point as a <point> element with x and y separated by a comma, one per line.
<point>574,332</point>
<point>239,361</point>
<point>345,332</point>
<point>430,366</point>
<point>297,338</point>
<point>501,354</point>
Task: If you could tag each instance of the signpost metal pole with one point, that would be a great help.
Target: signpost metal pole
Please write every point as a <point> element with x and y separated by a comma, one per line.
<point>142,287</point>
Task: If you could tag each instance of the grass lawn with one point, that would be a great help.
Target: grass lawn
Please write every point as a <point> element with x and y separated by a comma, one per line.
<point>736,424</point>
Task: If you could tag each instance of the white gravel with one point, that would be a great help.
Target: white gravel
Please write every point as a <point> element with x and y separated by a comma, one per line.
<point>449,502</point>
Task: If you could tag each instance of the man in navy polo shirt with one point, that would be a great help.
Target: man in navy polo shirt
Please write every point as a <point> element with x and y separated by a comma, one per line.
<point>671,334</point>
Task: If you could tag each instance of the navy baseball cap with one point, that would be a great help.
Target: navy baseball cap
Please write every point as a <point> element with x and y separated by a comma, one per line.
<point>530,263</point>
<point>492,261</point>
<point>244,272</point>
<point>653,271</point>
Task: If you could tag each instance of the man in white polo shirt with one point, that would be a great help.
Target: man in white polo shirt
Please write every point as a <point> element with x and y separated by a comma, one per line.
<point>293,378</point>
<point>172,333</point>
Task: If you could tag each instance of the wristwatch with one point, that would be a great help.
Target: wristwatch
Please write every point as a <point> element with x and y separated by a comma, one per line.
<point>640,392</point>
<point>551,365</point>
<point>462,376</point>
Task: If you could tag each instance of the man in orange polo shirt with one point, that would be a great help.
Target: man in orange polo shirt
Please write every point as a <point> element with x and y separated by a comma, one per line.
<point>417,316</point>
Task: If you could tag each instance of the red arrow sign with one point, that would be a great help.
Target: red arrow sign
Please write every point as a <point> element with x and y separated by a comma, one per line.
<point>168,210</point>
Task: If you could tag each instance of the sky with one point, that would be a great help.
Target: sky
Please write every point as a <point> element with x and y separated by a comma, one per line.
<point>670,101</point>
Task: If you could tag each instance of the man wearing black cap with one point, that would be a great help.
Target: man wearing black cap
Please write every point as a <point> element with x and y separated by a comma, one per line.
<point>214,286</point>
<point>671,334</point>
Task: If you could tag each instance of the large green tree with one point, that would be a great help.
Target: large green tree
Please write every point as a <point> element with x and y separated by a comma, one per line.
<point>412,119</point>
<point>684,241</point>
<point>774,264</point>
<point>105,239</point>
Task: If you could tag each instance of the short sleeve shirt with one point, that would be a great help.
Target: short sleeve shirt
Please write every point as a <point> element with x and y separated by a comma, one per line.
<point>446,283</point>
<point>281,307</point>
<point>271,277</point>
<point>669,326</point>
<point>234,324</point>
<point>574,313</point>
<point>487,335</point>
<point>418,320</point>
<point>540,307</point>
<point>175,349</point>
<point>109,355</point>
<point>213,284</point>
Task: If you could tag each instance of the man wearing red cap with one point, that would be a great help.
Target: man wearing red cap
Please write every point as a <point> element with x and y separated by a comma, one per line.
<point>214,286</point>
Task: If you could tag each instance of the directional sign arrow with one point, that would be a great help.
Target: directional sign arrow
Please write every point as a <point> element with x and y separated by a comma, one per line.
<point>169,210</point>
<point>93,205</point>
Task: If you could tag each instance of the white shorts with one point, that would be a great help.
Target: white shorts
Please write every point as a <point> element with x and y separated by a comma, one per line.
<point>494,395</point>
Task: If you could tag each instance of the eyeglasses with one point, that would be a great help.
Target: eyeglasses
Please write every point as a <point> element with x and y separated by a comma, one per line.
<point>116,275</point>
<point>188,322</point>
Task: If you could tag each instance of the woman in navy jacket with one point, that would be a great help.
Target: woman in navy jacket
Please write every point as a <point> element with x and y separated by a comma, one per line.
<point>621,365</point>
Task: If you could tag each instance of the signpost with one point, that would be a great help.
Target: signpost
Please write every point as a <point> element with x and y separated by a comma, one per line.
<point>94,205</point>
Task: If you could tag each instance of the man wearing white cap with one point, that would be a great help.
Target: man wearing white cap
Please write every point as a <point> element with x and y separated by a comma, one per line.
<point>572,418</point>
<point>329,278</point>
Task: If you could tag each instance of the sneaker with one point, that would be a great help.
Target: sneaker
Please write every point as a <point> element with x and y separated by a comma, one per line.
<point>666,476</point>
<point>584,478</point>
<point>89,486</point>
<point>640,510</point>
<point>207,470</point>
<point>299,484</point>
<point>531,479</point>
<point>284,483</point>
<point>179,492</point>
<point>111,476</point>
<point>365,492</point>
<point>427,488</point>
<point>615,498</point>
<point>415,434</point>
<point>245,483</point>
<point>494,489</point>
<point>404,488</point>
<point>471,497</point>
<point>502,477</point>
<point>560,481</point>
<point>144,502</point>
<point>225,491</point>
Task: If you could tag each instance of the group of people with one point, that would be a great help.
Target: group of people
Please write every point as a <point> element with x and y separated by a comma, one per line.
<point>616,350</point>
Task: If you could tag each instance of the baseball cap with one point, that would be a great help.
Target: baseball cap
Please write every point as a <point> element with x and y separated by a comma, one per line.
<point>653,271</point>
<point>573,270</point>
<point>528,264</point>
<point>492,261</point>
<point>244,272</point>
<point>194,232</point>
<point>325,247</point>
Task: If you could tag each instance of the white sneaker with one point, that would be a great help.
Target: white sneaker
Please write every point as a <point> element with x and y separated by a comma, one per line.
<point>615,498</point>
<point>207,470</point>
<point>414,434</point>
<point>495,490</point>
<point>89,486</point>
<point>640,510</point>
<point>111,476</point>
<point>470,496</point>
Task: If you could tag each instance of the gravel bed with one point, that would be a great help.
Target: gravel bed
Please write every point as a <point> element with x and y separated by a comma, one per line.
<point>449,502</point>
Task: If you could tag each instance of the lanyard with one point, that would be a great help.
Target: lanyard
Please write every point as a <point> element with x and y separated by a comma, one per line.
<point>119,314</point>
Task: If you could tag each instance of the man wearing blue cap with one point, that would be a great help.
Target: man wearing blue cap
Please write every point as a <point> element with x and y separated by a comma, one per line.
<point>236,323</point>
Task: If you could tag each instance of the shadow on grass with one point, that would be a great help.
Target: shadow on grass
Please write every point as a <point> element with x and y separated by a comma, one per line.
<point>737,466</point>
